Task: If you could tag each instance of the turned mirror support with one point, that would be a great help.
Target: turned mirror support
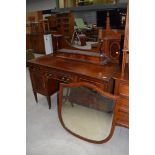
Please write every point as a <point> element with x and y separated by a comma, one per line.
<point>87,112</point>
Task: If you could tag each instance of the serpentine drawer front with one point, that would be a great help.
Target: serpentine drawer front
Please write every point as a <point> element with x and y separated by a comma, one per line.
<point>102,85</point>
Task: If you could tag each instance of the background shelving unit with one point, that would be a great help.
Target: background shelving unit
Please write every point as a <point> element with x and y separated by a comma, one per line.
<point>65,23</point>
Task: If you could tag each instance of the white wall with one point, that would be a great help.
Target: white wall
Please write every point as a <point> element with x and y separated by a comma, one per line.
<point>36,5</point>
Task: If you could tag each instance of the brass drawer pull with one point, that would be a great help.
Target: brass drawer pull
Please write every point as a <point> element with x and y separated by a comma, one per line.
<point>66,80</point>
<point>49,75</point>
<point>37,69</point>
<point>63,78</point>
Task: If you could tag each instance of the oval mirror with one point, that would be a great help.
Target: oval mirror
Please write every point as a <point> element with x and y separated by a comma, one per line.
<point>87,112</point>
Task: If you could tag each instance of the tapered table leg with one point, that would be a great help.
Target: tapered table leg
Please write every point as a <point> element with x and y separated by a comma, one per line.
<point>35,95</point>
<point>49,101</point>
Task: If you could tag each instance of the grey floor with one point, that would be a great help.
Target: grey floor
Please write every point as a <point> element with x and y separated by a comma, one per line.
<point>46,136</point>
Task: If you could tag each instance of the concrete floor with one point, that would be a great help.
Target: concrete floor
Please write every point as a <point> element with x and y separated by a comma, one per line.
<point>46,136</point>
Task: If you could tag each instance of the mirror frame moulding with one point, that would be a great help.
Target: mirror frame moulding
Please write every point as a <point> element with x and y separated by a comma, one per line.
<point>108,95</point>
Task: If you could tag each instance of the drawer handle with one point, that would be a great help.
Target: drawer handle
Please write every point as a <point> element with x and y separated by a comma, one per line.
<point>63,78</point>
<point>49,75</point>
<point>67,80</point>
<point>37,69</point>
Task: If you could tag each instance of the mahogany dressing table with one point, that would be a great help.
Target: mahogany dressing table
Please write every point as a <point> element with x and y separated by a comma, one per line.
<point>70,65</point>
<point>47,71</point>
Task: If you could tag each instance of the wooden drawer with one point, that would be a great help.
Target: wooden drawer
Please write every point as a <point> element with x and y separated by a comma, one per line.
<point>123,112</point>
<point>124,89</point>
<point>123,116</point>
<point>124,123</point>
<point>122,119</point>
<point>123,109</point>
<point>60,76</point>
<point>101,85</point>
<point>123,102</point>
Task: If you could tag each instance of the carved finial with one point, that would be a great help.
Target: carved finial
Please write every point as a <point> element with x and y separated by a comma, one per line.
<point>108,21</point>
<point>107,13</point>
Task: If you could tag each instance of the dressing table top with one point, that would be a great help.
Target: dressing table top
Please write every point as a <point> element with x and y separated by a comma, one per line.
<point>101,72</point>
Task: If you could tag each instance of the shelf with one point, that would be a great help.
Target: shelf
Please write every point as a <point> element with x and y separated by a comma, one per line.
<point>65,23</point>
<point>95,7</point>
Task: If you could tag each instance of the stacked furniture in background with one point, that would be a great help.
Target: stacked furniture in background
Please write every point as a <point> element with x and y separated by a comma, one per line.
<point>65,24</point>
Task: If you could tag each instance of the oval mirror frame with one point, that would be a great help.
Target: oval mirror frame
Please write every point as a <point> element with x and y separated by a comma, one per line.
<point>99,90</point>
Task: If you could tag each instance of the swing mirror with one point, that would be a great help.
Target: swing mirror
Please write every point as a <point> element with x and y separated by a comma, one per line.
<point>87,112</point>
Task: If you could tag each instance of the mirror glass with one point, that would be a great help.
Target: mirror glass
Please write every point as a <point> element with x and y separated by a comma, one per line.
<point>86,112</point>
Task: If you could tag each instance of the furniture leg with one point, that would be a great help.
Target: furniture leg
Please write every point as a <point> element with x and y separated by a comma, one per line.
<point>49,101</point>
<point>35,95</point>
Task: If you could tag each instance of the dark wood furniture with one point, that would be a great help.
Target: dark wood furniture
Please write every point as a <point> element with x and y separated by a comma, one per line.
<point>111,41</point>
<point>42,82</point>
<point>66,66</point>
<point>28,41</point>
<point>70,66</point>
<point>122,84</point>
<point>36,28</point>
<point>35,41</point>
<point>122,90</point>
<point>46,70</point>
<point>52,22</point>
<point>65,23</point>
<point>126,44</point>
<point>32,22</point>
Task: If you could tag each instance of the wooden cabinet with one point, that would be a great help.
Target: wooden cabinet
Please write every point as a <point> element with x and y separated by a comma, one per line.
<point>38,82</point>
<point>123,112</point>
<point>122,84</point>
<point>122,90</point>
<point>52,22</point>
<point>65,23</point>
<point>42,83</point>
<point>40,44</point>
<point>111,46</point>
<point>111,41</point>
<point>36,42</point>
<point>28,42</point>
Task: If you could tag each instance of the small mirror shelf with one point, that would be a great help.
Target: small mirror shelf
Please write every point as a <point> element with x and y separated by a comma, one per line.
<point>87,112</point>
